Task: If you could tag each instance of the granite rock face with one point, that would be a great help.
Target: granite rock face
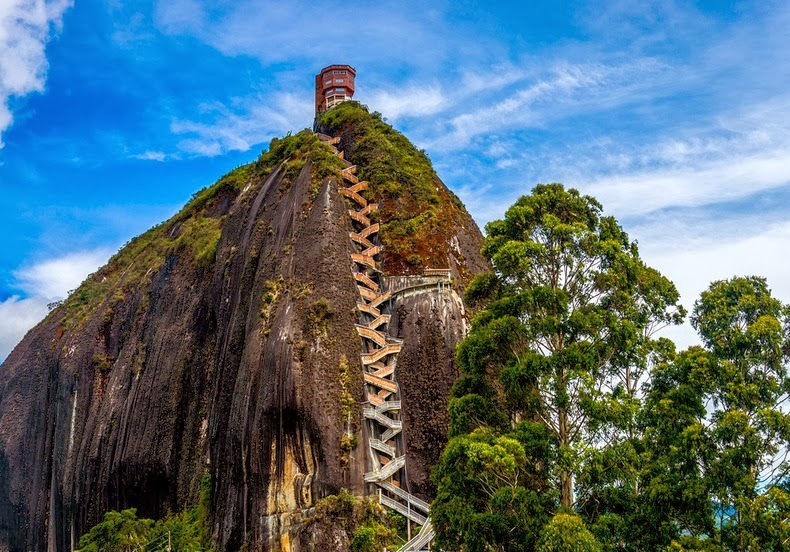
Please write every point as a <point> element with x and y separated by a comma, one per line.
<point>233,368</point>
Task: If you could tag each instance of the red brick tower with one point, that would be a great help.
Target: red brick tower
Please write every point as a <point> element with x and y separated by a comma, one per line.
<point>334,84</point>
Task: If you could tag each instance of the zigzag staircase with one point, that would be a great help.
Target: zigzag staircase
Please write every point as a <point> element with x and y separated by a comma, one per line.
<point>379,359</point>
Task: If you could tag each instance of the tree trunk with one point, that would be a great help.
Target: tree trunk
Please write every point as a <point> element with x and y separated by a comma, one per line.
<point>566,490</point>
<point>566,477</point>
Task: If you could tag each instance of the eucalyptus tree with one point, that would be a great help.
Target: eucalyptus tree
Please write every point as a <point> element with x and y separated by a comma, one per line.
<point>747,332</point>
<point>565,327</point>
<point>675,502</point>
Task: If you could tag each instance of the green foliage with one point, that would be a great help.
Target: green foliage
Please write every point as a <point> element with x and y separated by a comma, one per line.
<point>687,543</point>
<point>341,505</point>
<point>203,511</point>
<point>371,537</point>
<point>676,494</point>
<point>747,333</point>
<point>714,430</point>
<point>117,532</point>
<point>194,233</point>
<point>348,443</point>
<point>567,533</point>
<point>320,314</point>
<point>124,531</point>
<point>297,150</point>
<point>766,520</point>
<point>201,235</point>
<point>349,440</point>
<point>492,492</point>
<point>347,401</point>
<point>190,232</point>
<point>177,532</point>
<point>555,359</point>
<point>271,291</point>
<point>233,182</point>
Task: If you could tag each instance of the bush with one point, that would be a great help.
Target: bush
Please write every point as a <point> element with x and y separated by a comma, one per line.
<point>567,533</point>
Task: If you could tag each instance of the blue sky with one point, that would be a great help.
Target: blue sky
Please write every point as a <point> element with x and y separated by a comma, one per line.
<point>675,115</point>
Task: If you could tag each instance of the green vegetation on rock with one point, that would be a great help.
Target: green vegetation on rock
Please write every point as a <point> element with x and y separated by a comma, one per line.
<point>365,522</point>
<point>193,234</point>
<point>299,149</point>
<point>418,212</point>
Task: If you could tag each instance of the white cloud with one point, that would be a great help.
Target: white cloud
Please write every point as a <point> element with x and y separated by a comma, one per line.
<point>43,282</point>
<point>286,31</point>
<point>25,27</point>
<point>151,156</point>
<point>695,253</point>
<point>248,122</point>
<point>409,101</point>
<point>53,278</point>
<point>559,91</point>
<point>739,155</point>
<point>18,316</point>
<point>492,78</point>
<point>724,179</point>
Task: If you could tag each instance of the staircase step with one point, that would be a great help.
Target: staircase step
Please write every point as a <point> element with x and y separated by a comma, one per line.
<point>360,217</point>
<point>373,311</point>
<point>367,294</point>
<point>390,433</point>
<point>379,321</point>
<point>381,298</point>
<point>354,196</point>
<point>381,383</point>
<point>420,540</point>
<point>384,371</point>
<point>416,503</point>
<point>372,251</point>
<point>360,186</point>
<point>375,399</point>
<point>370,358</point>
<point>372,413</point>
<point>361,240</point>
<point>370,208</point>
<point>379,338</point>
<point>402,509</point>
<point>386,471</point>
<point>382,447</point>
<point>365,279</point>
<point>364,260</point>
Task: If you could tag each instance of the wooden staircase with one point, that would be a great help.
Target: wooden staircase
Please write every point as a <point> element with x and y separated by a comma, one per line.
<point>379,361</point>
